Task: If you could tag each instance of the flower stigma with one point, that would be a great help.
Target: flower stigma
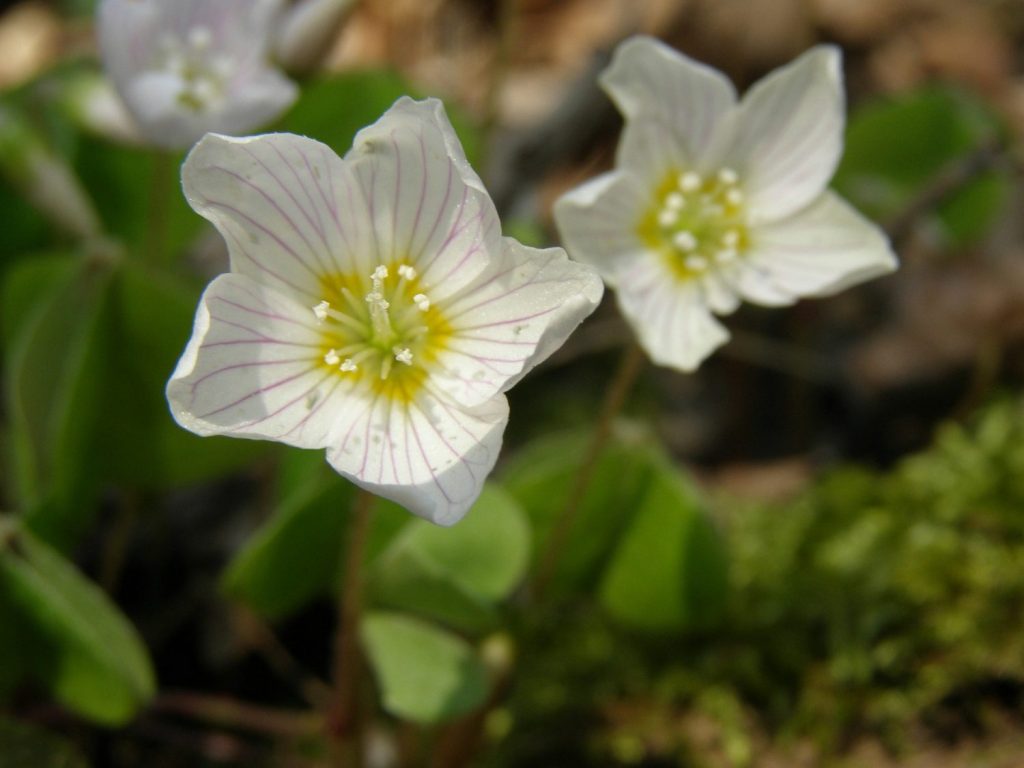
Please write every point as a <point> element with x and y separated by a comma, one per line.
<point>697,222</point>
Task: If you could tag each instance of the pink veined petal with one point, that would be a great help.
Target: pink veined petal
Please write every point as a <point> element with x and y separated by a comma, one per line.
<point>789,134</point>
<point>290,209</point>
<point>650,81</point>
<point>513,317</point>
<point>251,369</point>
<point>427,206</point>
<point>598,223</point>
<point>670,317</point>
<point>430,455</point>
<point>820,250</point>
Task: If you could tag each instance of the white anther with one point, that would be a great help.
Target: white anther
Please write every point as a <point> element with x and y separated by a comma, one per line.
<point>421,301</point>
<point>380,273</point>
<point>320,310</point>
<point>406,272</point>
<point>348,366</point>
<point>685,240</point>
<point>403,355</point>
<point>332,358</point>
<point>731,238</point>
<point>675,201</point>
<point>696,263</point>
<point>734,197</point>
<point>728,176</point>
<point>726,254</point>
<point>667,217</point>
<point>689,181</point>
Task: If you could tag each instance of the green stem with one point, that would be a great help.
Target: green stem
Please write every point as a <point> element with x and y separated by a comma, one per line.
<point>345,718</point>
<point>615,397</point>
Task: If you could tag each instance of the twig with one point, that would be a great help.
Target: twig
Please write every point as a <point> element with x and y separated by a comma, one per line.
<point>947,182</point>
<point>231,713</point>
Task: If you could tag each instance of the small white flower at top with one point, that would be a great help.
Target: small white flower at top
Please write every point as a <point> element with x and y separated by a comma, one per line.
<point>373,307</point>
<point>715,200</point>
<point>185,67</point>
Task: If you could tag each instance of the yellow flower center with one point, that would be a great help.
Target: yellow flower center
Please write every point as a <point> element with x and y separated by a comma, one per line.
<point>696,222</point>
<point>380,329</point>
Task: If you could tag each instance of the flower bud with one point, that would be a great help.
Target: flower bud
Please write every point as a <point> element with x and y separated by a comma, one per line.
<point>307,32</point>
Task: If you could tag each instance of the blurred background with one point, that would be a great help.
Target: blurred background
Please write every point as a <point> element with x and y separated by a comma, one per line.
<point>848,592</point>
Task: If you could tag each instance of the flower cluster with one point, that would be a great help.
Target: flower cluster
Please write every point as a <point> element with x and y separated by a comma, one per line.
<point>715,200</point>
<point>373,307</point>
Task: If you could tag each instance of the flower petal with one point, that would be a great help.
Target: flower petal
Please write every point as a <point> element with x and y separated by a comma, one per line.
<point>649,80</point>
<point>670,316</point>
<point>821,250</point>
<point>251,369</point>
<point>426,205</point>
<point>430,455</point>
<point>789,134</point>
<point>598,222</point>
<point>290,209</point>
<point>649,150</point>
<point>512,318</point>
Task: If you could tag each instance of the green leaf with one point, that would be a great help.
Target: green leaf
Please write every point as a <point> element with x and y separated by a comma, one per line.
<point>669,572</point>
<point>486,553</point>
<point>894,148</point>
<point>102,669</point>
<point>425,674</point>
<point>540,477</point>
<point>54,380</point>
<point>297,555</point>
<point>29,746</point>
<point>455,574</point>
<point>26,285</point>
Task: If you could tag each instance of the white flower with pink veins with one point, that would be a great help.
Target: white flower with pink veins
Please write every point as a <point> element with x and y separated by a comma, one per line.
<point>715,200</point>
<point>372,308</point>
<point>186,67</point>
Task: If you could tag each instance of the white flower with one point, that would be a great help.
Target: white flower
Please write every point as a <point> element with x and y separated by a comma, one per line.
<point>185,67</point>
<point>714,201</point>
<point>372,307</point>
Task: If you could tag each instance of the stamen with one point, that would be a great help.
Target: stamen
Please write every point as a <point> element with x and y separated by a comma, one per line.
<point>689,181</point>
<point>734,197</point>
<point>320,310</point>
<point>332,358</point>
<point>667,217</point>
<point>675,201</point>
<point>685,240</point>
<point>731,238</point>
<point>348,366</point>
<point>421,301</point>
<point>728,176</point>
<point>696,263</point>
<point>403,355</point>
<point>385,367</point>
<point>406,272</point>
<point>728,254</point>
<point>380,273</point>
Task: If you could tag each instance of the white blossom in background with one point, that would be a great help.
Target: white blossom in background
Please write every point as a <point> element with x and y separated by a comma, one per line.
<point>715,200</point>
<point>372,308</point>
<point>185,67</point>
